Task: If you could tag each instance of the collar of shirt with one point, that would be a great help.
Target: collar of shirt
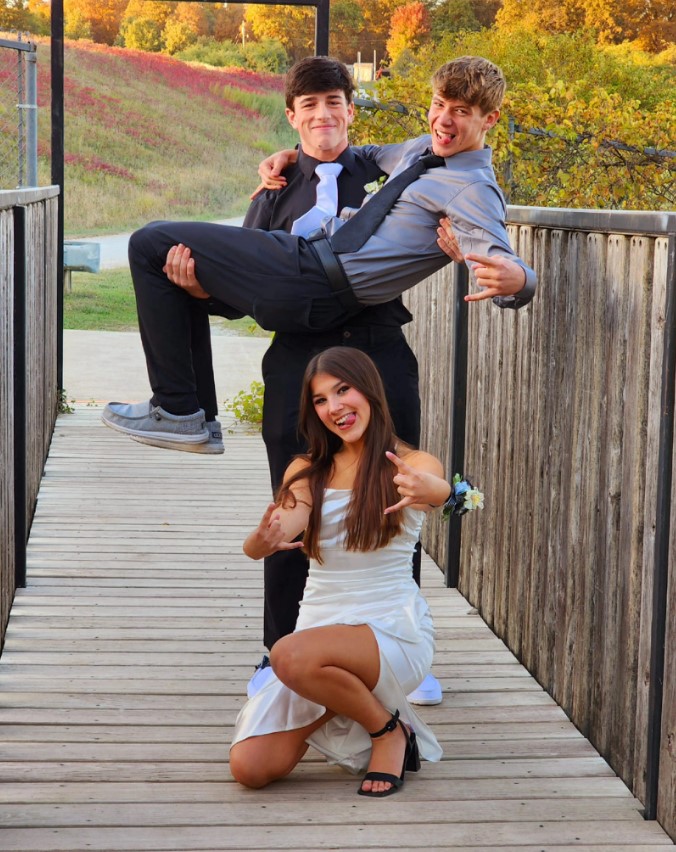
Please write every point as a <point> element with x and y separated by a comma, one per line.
<point>465,159</point>
<point>307,164</point>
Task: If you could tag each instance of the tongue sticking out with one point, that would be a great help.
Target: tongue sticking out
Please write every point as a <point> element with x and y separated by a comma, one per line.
<point>348,421</point>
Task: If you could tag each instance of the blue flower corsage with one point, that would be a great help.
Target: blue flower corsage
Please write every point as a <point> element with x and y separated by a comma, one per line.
<point>464,497</point>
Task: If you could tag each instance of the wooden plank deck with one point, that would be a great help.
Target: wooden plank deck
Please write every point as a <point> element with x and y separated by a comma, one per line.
<point>127,658</point>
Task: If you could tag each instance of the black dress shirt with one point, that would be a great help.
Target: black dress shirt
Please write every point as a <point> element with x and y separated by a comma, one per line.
<point>277,210</point>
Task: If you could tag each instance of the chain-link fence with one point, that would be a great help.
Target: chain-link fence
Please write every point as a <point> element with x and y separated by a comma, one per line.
<point>18,114</point>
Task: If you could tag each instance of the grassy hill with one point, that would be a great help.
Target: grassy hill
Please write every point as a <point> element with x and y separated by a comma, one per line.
<point>150,137</point>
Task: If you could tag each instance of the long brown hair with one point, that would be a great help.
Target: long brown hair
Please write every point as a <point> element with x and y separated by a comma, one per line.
<point>366,526</point>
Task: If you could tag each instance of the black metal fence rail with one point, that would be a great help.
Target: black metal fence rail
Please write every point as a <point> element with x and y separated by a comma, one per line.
<point>28,367</point>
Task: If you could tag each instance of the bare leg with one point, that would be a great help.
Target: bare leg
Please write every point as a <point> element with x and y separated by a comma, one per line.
<point>338,667</point>
<point>257,761</point>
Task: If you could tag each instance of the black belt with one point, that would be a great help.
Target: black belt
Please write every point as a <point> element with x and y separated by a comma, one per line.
<point>334,271</point>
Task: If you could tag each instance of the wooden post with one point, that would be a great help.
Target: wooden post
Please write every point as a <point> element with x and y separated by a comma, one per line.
<point>458,417</point>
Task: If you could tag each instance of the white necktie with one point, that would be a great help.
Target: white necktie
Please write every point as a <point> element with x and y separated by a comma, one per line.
<point>327,200</point>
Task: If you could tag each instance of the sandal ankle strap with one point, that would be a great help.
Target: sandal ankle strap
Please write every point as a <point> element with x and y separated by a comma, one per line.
<point>390,726</point>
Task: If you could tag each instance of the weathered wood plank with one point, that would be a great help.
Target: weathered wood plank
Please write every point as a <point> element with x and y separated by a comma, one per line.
<point>273,812</point>
<point>306,789</point>
<point>384,835</point>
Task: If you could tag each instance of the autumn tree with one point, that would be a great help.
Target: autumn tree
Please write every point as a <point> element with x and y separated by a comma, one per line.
<point>226,21</point>
<point>184,26</point>
<point>377,23</point>
<point>649,23</point>
<point>409,27</point>
<point>587,123</point>
<point>41,12</point>
<point>102,16</point>
<point>15,15</point>
<point>292,26</point>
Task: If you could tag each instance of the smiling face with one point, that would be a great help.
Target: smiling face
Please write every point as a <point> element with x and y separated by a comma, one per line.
<point>456,126</point>
<point>322,120</point>
<point>342,409</point>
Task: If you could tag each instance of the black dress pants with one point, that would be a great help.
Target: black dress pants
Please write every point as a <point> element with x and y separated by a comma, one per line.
<point>271,276</point>
<point>284,363</point>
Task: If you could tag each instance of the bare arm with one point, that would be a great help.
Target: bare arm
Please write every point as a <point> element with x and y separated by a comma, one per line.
<point>280,525</point>
<point>420,482</point>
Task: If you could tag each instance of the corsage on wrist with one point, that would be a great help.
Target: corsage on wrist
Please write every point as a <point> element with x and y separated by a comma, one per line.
<point>464,497</point>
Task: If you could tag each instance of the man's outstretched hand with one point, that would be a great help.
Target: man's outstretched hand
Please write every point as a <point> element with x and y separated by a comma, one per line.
<point>496,276</point>
<point>179,268</point>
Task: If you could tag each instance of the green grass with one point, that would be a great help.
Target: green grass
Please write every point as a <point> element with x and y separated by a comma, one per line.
<point>150,137</point>
<point>104,301</point>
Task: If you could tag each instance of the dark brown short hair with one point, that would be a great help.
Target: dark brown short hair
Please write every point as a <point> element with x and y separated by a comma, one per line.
<point>317,74</point>
<point>471,79</point>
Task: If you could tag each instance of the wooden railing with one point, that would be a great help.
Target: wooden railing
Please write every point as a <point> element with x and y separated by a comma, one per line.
<point>28,369</point>
<point>568,424</point>
<point>569,432</point>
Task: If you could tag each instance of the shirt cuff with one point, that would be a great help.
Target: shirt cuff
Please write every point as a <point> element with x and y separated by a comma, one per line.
<point>523,297</point>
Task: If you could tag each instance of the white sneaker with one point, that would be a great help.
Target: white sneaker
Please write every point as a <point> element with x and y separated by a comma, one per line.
<point>428,692</point>
<point>260,677</point>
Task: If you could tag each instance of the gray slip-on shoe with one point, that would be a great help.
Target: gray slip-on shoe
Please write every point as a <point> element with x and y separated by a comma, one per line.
<point>213,446</point>
<point>145,420</point>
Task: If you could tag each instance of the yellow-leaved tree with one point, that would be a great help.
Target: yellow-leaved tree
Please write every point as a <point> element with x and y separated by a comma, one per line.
<point>409,27</point>
<point>101,17</point>
<point>581,125</point>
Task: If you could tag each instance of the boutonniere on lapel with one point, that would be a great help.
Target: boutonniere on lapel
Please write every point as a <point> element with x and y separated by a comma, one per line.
<point>373,187</point>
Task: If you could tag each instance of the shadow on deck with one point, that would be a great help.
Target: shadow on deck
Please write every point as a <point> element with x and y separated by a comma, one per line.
<point>126,662</point>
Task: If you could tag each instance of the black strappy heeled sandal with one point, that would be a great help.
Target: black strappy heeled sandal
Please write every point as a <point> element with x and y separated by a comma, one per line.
<point>411,760</point>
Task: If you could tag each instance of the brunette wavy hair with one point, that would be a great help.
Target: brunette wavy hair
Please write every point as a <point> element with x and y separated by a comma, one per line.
<point>366,526</point>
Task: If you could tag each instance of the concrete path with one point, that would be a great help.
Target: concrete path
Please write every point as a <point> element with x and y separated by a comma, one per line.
<point>100,366</point>
<point>114,247</point>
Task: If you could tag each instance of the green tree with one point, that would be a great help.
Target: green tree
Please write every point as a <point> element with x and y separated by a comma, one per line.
<point>142,34</point>
<point>452,16</point>
<point>347,25</point>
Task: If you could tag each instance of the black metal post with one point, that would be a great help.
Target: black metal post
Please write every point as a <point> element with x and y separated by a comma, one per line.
<point>19,402</point>
<point>458,417</point>
<point>662,533</point>
<point>322,28</point>
<point>58,118</point>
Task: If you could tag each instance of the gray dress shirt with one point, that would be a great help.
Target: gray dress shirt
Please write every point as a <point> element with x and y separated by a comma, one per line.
<point>404,250</point>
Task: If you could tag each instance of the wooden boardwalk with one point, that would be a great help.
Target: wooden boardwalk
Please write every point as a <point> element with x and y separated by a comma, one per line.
<point>127,658</point>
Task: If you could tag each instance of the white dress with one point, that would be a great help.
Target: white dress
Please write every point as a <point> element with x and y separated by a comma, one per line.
<point>375,588</point>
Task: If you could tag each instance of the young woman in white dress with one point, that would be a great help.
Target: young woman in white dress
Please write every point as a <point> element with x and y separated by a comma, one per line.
<point>364,636</point>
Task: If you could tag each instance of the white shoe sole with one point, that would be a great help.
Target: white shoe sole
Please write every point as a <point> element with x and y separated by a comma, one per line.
<point>206,447</point>
<point>199,438</point>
